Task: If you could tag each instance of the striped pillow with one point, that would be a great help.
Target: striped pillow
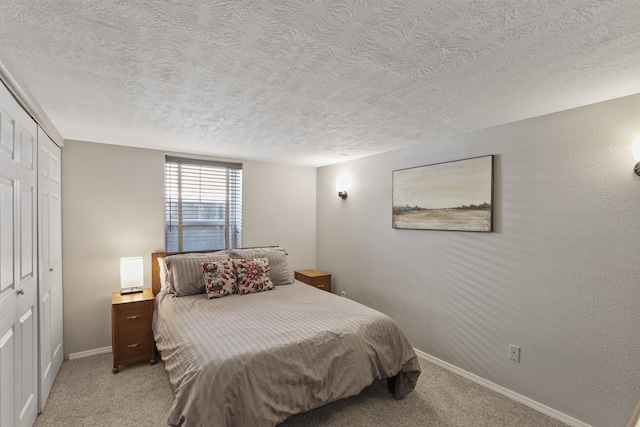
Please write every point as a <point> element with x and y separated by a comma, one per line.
<point>279,270</point>
<point>184,271</point>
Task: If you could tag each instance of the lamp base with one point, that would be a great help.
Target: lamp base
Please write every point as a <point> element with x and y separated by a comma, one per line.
<point>131,290</point>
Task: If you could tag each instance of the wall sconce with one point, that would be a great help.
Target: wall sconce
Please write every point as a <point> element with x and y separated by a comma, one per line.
<point>636,154</point>
<point>131,275</point>
<point>343,183</point>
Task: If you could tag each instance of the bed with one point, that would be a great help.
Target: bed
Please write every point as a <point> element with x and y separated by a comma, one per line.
<point>255,359</point>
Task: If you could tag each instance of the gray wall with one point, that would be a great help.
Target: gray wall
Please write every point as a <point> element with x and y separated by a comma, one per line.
<point>113,207</point>
<point>559,276</point>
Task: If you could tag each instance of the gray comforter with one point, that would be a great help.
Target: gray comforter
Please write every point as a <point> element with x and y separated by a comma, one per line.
<point>255,360</point>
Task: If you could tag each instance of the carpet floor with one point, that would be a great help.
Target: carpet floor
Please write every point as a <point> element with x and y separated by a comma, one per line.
<point>86,393</point>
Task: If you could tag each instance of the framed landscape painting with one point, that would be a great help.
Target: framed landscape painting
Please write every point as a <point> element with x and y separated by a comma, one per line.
<point>446,196</point>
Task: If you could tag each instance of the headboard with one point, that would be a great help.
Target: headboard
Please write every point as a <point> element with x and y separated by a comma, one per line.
<point>155,267</point>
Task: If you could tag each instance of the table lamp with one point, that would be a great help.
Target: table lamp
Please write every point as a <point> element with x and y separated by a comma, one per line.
<point>131,275</point>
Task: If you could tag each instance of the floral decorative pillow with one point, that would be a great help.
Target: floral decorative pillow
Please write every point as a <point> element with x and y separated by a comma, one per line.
<point>253,275</point>
<point>219,278</point>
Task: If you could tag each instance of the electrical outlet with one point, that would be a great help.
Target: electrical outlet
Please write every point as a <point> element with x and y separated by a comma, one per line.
<point>514,353</point>
<point>343,294</point>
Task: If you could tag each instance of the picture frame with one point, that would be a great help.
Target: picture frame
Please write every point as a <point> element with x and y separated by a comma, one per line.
<point>451,196</point>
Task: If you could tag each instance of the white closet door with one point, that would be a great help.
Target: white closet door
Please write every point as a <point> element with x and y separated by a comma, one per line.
<point>50,263</point>
<point>18,266</point>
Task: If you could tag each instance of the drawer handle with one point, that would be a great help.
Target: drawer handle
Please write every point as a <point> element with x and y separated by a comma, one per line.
<point>133,317</point>
<point>133,345</point>
<point>320,286</point>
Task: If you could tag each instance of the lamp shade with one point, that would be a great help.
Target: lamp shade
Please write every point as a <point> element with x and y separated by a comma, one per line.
<point>343,182</point>
<point>635,147</point>
<point>131,273</point>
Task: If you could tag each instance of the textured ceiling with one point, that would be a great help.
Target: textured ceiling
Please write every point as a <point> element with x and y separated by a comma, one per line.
<point>308,82</point>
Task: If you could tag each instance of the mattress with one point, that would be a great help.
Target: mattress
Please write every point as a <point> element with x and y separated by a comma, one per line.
<point>255,360</point>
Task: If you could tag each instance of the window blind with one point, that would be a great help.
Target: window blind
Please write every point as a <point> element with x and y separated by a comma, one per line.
<point>203,204</point>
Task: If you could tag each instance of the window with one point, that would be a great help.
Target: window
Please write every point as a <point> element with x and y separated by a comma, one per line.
<point>203,204</point>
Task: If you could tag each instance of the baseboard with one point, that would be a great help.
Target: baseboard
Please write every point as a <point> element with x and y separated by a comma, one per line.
<point>503,391</point>
<point>88,353</point>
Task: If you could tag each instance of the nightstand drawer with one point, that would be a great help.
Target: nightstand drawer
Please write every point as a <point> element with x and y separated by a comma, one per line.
<point>323,283</point>
<point>133,317</point>
<point>134,347</point>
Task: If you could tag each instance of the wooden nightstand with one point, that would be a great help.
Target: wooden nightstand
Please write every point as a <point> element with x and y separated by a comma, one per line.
<point>316,278</point>
<point>131,334</point>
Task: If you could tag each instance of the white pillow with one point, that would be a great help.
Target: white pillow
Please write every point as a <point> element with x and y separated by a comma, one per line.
<point>164,280</point>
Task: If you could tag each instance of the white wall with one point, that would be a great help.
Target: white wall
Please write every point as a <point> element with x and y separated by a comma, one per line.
<point>559,276</point>
<point>113,207</point>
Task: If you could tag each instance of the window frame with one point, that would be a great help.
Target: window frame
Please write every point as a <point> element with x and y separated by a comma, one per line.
<point>174,175</point>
